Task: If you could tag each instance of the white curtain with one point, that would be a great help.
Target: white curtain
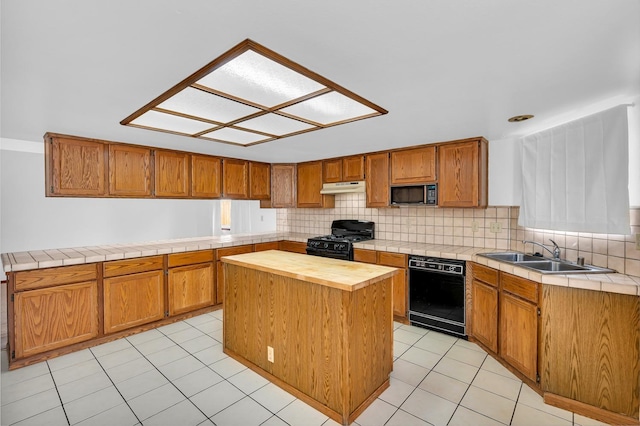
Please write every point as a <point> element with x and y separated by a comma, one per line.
<point>575,177</point>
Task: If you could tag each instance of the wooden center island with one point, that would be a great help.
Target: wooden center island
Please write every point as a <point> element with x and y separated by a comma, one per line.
<point>320,328</point>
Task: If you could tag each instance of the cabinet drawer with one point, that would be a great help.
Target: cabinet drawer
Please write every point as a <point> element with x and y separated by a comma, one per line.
<point>274,245</point>
<point>485,274</point>
<point>39,278</point>
<point>190,258</point>
<point>363,255</point>
<point>132,266</point>
<point>230,251</point>
<point>293,246</point>
<point>392,259</point>
<point>519,286</point>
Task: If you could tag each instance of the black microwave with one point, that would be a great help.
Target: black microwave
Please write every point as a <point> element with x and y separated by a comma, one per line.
<point>415,194</point>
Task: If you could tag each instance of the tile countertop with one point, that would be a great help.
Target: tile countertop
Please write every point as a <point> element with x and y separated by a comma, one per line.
<point>21,261</point>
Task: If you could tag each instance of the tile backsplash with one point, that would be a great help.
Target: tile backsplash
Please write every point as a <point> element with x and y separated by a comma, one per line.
<point>495,227</point>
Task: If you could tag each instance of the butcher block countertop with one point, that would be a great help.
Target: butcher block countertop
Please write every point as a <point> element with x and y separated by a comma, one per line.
<point>341,274</point>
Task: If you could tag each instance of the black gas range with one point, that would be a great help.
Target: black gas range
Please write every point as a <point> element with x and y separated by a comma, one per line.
<point>339,244</point>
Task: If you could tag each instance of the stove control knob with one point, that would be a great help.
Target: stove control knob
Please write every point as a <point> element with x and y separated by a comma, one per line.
<point>326,245</point>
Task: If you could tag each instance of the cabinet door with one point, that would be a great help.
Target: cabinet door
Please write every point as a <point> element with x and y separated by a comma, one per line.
<point>353,168</point>
<point>485,314</point>
<point>74,167</point>
<point>235,181</point>
<point>413,166</point>
<point>259,181</point>
<point>377,181</point>
<point>220,253</point>
<point>284,185</point>
<point>190,288</point>
<point>293,246</point>
<point>309,186</point>
<point>171,173</point>
<point>129,171</point>
<point>332,170</point>
<point>519,334</point>
<point>132,300</point>
<point>463,176</point>
<point>399,284</point>
<point>206,176</point>
<point>50,318</point>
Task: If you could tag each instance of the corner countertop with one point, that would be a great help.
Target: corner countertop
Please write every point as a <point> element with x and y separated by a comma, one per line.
<point>38,259</point>
<point>348,276</point>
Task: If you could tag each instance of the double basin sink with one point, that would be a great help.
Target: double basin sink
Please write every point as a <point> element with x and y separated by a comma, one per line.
<point>545,265</point>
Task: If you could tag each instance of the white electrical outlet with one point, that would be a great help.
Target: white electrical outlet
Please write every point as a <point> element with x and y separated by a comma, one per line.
<point>270,354</point>
<point>474,226</point>
<point>495,227</point>
<point>638,241</point>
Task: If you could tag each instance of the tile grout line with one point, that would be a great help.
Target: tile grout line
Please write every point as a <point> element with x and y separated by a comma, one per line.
<point>55,385</point>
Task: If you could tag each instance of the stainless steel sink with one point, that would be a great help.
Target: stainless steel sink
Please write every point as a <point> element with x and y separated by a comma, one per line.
<point>544,265</point>
<point>512,256</point>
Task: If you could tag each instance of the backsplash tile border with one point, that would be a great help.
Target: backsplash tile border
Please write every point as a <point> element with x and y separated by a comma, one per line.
<point>468,227</point>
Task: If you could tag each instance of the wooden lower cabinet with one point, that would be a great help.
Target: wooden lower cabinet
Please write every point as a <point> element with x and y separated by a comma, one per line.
<point>519,334</point>
<point>54,317</point>
<point>485,314</point>
<point>399,282</point>
<point>132,300</point>
<point>191,287</point>
<point>220,253</point>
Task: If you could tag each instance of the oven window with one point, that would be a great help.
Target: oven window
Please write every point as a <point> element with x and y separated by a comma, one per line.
<point>437,295</point>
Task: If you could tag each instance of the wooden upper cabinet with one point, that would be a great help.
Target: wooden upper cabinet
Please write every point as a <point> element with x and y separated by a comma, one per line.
<point>206,176</point>
<point>74,167</point>
<point>353,168</point>
<point>463,174</point>
<point>283,193</point>
<point>171,170</point>
<point>310,184</point>
<point>416,165</point>
<point>377,171</point>
<point>259,181</point>
<point>332,170</point>
<point>235,180</point>
<point>345,169</point>
<point>129,171</point>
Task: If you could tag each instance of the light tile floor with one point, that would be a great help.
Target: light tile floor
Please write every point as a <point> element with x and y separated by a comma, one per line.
<point>178,375</point>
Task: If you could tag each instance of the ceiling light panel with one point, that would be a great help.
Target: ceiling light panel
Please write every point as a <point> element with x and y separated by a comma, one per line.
<point>235,136</point>
<point>172,123</point>
<point>329,108</point>
<point>251,95</point>
<point>197,103</point>
<point>256,78</point>
<point>275,124</point>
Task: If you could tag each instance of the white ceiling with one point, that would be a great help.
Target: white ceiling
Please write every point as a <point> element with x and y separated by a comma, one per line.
<point>444,69</point>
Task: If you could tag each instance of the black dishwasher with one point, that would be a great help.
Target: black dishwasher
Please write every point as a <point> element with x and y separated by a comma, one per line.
<point>437,294</point>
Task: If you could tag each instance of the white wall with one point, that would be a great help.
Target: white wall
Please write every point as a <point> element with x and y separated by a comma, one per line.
<point>246,217</point>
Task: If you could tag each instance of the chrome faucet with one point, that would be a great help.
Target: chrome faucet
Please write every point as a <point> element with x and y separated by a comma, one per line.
<point>556,250</point>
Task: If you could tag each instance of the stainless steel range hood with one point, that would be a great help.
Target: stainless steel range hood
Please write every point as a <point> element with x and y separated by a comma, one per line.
<point>343,187</point>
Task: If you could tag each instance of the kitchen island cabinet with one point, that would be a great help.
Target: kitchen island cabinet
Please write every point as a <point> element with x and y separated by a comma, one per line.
<point>320,328</point>
<point>591,353</point>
